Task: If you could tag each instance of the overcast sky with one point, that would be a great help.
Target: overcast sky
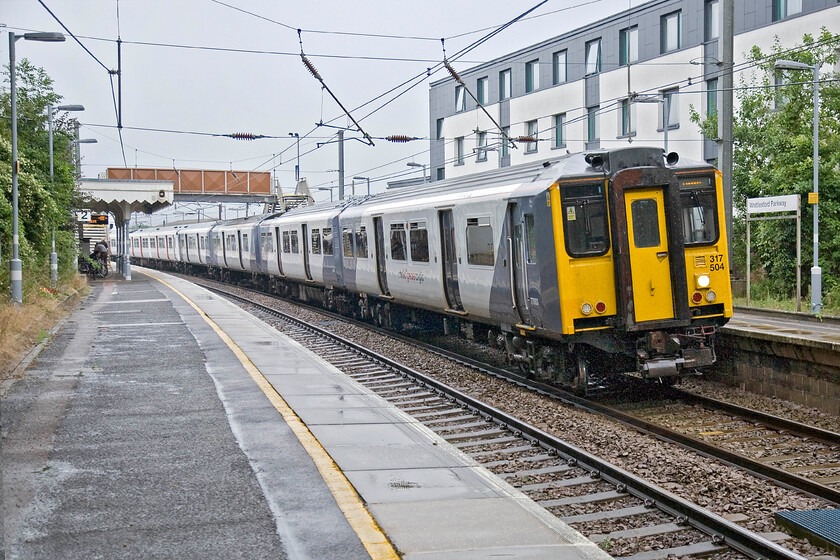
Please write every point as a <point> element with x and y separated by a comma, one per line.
<point>267,90</point>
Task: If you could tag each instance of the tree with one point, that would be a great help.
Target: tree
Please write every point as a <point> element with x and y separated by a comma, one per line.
<point>773,155</point>
<point>42,205</point>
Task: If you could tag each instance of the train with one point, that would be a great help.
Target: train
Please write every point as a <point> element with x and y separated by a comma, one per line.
<point>579,267</point>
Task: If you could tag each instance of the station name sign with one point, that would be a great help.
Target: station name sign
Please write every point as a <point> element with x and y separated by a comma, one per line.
<point>786,203</point>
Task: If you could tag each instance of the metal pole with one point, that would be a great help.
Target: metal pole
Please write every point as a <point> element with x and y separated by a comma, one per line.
<point>15,264</point>
<point>748,260</point>
<point>368,185</point>
<point>816,272</point>
<point>53,254</point>
<point>798,254</point>
<point>666,123</point>
<point>78,152</point>
<point>340,165</point>
<point>725,109</point>
<point>297,163</point>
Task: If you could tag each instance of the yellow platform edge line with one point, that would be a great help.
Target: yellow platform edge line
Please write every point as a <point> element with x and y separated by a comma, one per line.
<point>360,519</point>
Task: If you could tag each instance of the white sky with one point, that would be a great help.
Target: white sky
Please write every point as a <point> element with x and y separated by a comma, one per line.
<point>269,94</point>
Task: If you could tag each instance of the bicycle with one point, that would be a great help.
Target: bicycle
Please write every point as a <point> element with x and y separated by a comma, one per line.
<point>95,268</point>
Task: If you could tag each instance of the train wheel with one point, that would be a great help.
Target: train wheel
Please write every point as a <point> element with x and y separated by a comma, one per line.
<point>581,380</point>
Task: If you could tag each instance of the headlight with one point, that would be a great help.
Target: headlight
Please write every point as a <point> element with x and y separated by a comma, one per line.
<point>586,308</point>
<point>702,280</point>
<point>711,296</point>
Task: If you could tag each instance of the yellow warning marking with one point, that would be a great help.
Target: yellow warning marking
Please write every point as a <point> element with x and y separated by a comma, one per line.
<point>367,529</point>
<point>711,433</point>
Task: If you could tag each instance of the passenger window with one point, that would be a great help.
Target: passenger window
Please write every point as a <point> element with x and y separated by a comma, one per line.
<point>419,238</point>
<point>316,241</point>
<point>347,241</point>
<point>287,247</point>
<point>398,242</point>
<point>294,241</point>
<point>480,249</point>
<point>530,239</point>
<point>328,240</point>
<point>361,243</point>
<point>244,241</point>
<point>585,220</point>
<point>699,211</point>
<point>645,213</point>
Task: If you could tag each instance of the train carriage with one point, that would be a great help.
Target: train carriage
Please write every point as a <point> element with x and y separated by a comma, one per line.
<point>577,266</point>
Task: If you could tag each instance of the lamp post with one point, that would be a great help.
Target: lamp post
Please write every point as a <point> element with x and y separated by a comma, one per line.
<point>53,255</point>
<point>328,189</point>
<point>364,179</point>
<point>78,141</point>
<point>423,165</point>
<point>296,136</point>
<point>816,271</point>
<point>15,264</point>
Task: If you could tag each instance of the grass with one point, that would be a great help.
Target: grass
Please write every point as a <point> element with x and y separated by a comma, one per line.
<point>24,326</point>
<point>830,308</point>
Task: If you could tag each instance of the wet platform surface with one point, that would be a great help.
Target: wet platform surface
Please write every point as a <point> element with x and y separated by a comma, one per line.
<point>789,327</point>
<point>151,426</point>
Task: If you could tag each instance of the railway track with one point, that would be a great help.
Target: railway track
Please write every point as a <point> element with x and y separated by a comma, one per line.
<point>628,516</point>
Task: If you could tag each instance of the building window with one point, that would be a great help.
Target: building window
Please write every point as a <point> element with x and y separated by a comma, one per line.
<point>481,147</point>
<point>482,89</point>
<point>711,97</point>
<point>592,133</point>
<point>532,76</point>
<point>505,142</point>
<point>531,131</point>
<point>504,84</point>
<point>460,99</point>
<point>670,39</point>
<point>628,45</point>
<point>559,130</point>
<point>441,173</point>
<point>786,8</point>
<point>558,67</point>
<point>672,107</point>
<point>712,20</point>
<point>628,117</point>
<point>459,151</point>
<point>439,131</point>
<point>593,57</point>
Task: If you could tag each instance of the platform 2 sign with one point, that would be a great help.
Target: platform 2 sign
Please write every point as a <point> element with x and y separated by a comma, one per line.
<point>767,204</point>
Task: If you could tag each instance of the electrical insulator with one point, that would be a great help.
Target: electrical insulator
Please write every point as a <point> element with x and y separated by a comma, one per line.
<point>399,138</point>
<point>452,71</point>
<point>310,67</point>
<point>243,136</point>
<point>525,139</point>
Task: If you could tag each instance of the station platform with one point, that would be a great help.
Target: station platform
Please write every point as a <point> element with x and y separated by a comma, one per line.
<point>163,421</point>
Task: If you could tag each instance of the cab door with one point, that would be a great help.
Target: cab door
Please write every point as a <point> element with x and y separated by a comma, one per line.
<point>650,265</point>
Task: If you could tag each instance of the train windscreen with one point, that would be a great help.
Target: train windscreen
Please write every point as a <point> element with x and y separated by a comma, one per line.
<point>699,210</point>
<point>585,220</point>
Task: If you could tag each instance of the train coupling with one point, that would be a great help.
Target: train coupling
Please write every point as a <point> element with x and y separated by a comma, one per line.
<point>661,354</point>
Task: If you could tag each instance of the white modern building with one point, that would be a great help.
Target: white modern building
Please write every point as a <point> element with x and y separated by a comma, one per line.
<point>576,91</point>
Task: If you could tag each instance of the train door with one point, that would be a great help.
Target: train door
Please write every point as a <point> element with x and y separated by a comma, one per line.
<point>518,273</point>
<point>379,245</point>
<point>279,247</point>
<point>305,249</point>
<point>450,263</point>
<point>650,267</point>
